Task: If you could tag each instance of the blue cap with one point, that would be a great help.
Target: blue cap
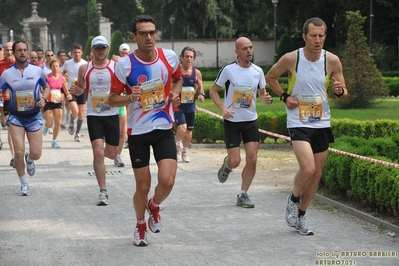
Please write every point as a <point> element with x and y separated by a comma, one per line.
<point>1,46</point>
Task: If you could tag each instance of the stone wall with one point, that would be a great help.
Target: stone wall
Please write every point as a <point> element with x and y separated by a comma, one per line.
<point>206,51</point>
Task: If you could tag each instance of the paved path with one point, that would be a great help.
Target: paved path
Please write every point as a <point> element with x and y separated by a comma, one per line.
<point>60,224</point>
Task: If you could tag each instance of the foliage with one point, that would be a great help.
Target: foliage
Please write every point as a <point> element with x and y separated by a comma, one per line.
<point>252,18</point>
<point>284,46</point>
<point>87,47</point>
<point>362,78</point>
<point>116,41</point>
<point>93,24</point>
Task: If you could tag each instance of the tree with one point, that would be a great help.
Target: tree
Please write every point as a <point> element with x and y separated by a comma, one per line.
<point>87,47</point>
<point>284,46</point>
<point>93,18</point>
<point>363,80</point>
<point>116,41</point>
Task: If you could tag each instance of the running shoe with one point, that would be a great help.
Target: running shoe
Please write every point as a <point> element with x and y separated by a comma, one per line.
<point>62,126</point>
<point>77,137</point>
<point>303,227</point>
<point>45,131</point>
<point>224,172</point>
<point>244,201</point>
<point>30,167</point>
<point>24,191</point>
<point>118,162</point>
<point>154,221</point>
<point>185,158</point>
<point>291,212</point>
<point>102,198</point>
<point>54,144</point>
<point>71,128</point>
<point>50,131</point>
<point>126,145</point>
<point>178,152</point>
<point>140,236</point>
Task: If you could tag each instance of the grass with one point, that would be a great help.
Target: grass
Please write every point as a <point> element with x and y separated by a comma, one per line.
<point>387,109</point>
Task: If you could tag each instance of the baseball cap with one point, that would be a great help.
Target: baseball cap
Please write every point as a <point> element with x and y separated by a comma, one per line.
<point>123,47</point>
<point>99,41</point>
<point>1,46</point>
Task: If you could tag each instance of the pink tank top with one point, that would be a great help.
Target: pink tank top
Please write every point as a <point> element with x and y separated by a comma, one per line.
<point>55,88</point>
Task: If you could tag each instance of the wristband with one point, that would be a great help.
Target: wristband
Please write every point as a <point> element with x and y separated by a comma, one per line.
<point>339,95</point>
<point>203,94</point>
<point>284,96</point>
<point>130,98</point>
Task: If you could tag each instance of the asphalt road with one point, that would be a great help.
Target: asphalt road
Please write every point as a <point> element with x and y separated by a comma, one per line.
<point>60,224</point>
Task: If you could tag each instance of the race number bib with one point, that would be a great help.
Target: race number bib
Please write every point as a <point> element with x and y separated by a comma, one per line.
<point>310,108</point>
<point>55,96</point>
<point>187,94</point>
<point>242,97</point>
<point>25,101</point>
<point>153,95</point>
<point>99,101</point>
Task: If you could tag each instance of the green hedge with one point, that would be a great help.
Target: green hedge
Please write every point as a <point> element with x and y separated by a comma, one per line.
<point>372,184</point>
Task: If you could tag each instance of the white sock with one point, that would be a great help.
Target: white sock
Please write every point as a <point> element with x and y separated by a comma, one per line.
<point>184,149</point>
<point>23,180</point>
<point>178,143</point>
<point>242,192</point>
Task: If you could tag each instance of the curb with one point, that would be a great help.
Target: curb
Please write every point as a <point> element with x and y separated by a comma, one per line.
<point>359,214</point>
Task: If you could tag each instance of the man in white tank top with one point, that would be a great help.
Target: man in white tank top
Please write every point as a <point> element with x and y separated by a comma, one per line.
<point>102,121</point>
<point>308,114</point>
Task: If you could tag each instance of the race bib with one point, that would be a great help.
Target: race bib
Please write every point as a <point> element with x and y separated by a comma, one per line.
<point>25,101</point>
<point>242,97</point>
<point>55,96</point>
<point>153,95</point>
<point>99,101</point>
<point>188,94</point>
<point>310,108</point>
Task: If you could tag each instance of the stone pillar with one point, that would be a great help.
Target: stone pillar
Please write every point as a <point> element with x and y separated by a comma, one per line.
<point>35,30</point>
<point>105,25</point>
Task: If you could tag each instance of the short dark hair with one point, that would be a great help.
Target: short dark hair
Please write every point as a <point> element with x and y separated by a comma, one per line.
<point>17,42</point>
<point>62,51</point>
<point>318,22</point>
<point>139,19</point>
<point>188,48</point>
<point>77,46</point>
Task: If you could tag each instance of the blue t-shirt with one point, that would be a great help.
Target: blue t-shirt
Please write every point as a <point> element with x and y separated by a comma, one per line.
<point>24,88</point>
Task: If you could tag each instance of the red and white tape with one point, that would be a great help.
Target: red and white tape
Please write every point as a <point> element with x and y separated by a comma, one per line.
<point>394,165</point>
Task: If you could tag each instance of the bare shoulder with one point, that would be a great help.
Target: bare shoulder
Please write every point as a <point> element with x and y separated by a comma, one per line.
<point>285,63</point>
<point>333,61</point>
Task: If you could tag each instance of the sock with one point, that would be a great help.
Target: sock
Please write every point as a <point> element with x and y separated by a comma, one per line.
<point>178,143</point>
<point>23,180</point>
<point>72,119</point>
<point>141,222</point>
<point>153,204</point>
<point>301,213</point>
<point>295,199</point>
<point>242,192</point>
<point>184,149</point>
<point>79,125</point>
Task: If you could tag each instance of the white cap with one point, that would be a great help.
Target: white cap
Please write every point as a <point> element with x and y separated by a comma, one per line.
<point>99,41</point>
<point>124,47</point>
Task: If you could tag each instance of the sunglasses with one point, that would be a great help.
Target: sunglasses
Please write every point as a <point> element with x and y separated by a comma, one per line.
<point>48,55</point>
<point>145,33</point>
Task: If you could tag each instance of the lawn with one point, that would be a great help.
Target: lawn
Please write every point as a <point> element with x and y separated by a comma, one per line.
<point>387,109</point>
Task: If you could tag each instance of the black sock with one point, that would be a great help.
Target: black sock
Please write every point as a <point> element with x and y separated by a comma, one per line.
<point>301,213</point>
<point>295,199</point>
<point>103,190</point>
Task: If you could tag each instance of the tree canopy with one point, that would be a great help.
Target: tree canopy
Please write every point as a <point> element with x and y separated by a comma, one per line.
<point>252,18</point>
